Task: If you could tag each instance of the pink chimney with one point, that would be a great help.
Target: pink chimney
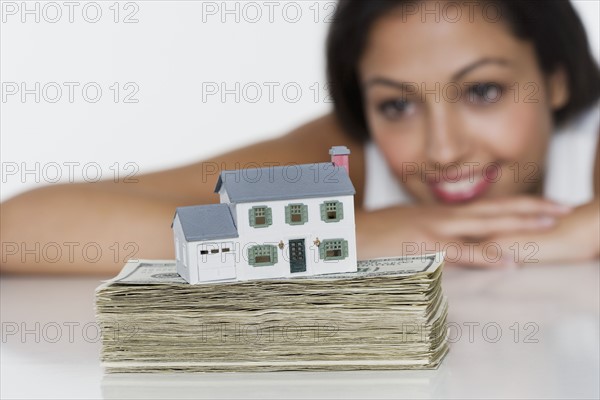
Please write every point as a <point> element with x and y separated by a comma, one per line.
<point>339,157</point>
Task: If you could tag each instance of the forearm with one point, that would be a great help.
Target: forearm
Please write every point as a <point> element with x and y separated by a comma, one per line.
<point>83,229</point>
<point>424,229</point>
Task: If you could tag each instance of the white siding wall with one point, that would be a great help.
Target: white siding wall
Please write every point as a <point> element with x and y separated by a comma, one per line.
<point>183,269</point>
<point>197,268</point>
<point>310,231</point>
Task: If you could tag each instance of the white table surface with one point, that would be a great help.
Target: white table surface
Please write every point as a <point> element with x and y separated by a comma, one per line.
<point>555,356</point>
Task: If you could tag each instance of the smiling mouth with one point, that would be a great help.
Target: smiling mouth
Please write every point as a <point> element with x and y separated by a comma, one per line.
<point>462,190</point>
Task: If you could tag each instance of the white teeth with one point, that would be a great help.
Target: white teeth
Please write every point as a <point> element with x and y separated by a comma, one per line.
<point>464,185</point>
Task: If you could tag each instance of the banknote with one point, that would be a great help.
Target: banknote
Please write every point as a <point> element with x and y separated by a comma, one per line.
<point>147,272</point>
<point>391,314</point>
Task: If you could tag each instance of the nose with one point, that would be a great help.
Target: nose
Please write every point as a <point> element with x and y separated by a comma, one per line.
<point>446,141</point>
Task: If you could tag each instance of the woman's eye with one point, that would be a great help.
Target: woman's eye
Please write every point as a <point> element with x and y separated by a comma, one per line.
<point>484,93</point>
<point>396,108</point>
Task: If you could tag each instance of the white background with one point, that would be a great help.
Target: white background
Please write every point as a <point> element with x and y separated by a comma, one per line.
<point>172,50</point>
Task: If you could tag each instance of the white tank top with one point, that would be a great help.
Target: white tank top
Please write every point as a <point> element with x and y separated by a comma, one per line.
<point>569,175</point>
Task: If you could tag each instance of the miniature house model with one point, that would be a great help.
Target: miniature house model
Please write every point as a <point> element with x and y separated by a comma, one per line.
<point>272,222</point>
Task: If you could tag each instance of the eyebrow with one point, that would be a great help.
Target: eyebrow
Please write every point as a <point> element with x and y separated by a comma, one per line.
<point>457,76</point>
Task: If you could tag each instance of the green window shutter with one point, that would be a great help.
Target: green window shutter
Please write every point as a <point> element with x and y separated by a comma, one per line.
<point>261,213</point>
<point>251,217</point>
<point>252,255</point>
<point>262,251</point>
<point>333,249</point>
<point>331,206</point>
<point>323,212</point>
<point>293,210</point>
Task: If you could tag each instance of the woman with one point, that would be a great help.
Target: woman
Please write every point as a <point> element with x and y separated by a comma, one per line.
<point>454,120</point>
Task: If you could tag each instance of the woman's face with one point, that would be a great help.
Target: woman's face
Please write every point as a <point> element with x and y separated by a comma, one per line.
<point>460,110</point>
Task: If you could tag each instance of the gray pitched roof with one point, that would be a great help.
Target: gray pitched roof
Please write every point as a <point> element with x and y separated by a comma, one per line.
<point>285,182</point>
<point>207,222</point>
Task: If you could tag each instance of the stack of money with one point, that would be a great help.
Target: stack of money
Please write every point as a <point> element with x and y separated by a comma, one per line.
<point>390,314</point>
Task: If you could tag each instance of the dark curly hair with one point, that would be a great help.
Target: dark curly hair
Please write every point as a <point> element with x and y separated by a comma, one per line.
<point>552,26</point>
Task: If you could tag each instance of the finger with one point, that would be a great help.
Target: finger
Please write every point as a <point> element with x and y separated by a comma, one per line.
<point>514,205</point>
<point>487,226</point>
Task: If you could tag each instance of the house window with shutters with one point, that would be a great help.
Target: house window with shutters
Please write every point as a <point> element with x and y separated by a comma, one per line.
<point>262,255</point>
<point>296,214</point>
<point>332,211</point>
<point>260,216</point>
<point>333,249</point>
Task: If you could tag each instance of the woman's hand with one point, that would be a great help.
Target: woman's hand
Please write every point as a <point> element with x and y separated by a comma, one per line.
<point>574,238</point>
<point>463,231</point>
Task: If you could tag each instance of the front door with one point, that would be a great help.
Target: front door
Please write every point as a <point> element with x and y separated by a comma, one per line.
<point>297,256</point>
